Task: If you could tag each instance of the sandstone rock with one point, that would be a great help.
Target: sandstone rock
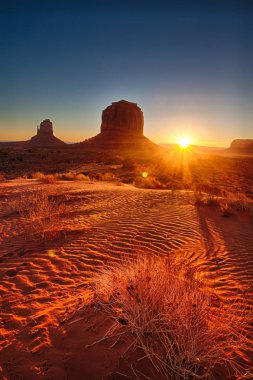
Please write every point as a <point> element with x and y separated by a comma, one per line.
<point>242,145</point>
<point>122,119</point>
<point>122,124</point>
<point>45,128</point>
<point>45,135</point>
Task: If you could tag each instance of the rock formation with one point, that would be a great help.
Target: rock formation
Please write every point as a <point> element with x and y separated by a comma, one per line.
<point>242,146</point>
<point>45,135</point>
<point>122,122</point>
<point>45,128</point>
<point>122,119</point>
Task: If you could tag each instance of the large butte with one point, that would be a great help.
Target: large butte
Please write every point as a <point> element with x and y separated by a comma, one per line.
<point>122,122</point>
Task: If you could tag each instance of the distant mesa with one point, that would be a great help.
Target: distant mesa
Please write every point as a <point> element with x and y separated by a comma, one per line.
<point>45,135</point>
<point>122,122</point>
<point>242,146</point>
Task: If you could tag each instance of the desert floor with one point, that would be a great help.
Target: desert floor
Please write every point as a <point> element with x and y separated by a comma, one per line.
<point>45,326</point>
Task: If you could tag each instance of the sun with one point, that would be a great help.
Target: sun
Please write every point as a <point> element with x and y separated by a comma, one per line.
<point>184,142</point>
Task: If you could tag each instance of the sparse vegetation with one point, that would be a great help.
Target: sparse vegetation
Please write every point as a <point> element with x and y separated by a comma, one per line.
<point>226,210</point>
<point>229,203</point>
<point>41,212</point>
<point>183,328</point>
<point>45,178</point>
<point>53,178</point>
<point>107,177</point>
<point>71,176</point>
<point>147,183</point>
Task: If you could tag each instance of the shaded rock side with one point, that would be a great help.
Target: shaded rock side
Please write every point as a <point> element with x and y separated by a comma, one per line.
<point>242,145</point>
<point>122,123</point>
<point>45,135</point>
<point>122,119</point>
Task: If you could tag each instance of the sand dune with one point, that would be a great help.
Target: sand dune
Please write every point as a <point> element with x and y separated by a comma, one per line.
<point>43,281</point>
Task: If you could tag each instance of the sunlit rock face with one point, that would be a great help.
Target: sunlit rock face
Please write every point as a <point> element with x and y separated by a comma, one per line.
<point>242,145</point>
<point>45,135</point>
<point>122,119</point>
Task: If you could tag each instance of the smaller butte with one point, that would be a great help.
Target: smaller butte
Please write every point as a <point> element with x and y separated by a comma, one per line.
<point>45,136</point>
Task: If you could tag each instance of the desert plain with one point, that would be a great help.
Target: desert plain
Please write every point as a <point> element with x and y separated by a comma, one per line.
<point>56,234</point>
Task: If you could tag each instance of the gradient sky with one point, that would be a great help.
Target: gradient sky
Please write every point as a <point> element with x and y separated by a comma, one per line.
<point>188,65</point>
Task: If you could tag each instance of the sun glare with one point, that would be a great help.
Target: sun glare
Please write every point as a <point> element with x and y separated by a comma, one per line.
<point>184,142</point>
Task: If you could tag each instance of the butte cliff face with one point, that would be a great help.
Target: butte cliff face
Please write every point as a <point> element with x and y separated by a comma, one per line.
<point>122,119</point>
<point>242,146</point>
<point>122,123</point>
<point>45,135</point>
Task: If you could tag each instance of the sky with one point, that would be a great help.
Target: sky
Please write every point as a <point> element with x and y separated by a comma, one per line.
<point>187,63</point>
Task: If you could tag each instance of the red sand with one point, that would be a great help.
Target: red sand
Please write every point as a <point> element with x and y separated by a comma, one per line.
<point>44,327</point>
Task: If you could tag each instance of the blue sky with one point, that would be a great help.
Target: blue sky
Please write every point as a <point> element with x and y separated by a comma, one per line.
<point>188,65</point>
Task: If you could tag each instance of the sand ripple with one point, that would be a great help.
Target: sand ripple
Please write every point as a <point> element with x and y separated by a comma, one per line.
<point>42,282</point>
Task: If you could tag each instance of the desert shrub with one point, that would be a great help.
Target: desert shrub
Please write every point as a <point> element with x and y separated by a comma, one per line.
<point>142,183</point>
<point>226,210</point>
<point>118,183</point>
<point>198,197</point>
<point>211,200</point>
<point>184,329</point>
<point>206,199</point>
<point>238,201</point>
<point>147,183</point>
<point>45,178</point>
<point>41,211</point>
<point>52,178</point>
<point>229,203</point>
<point>49,178</point>
<point>209,189</point>
<point>107,176</point>
<point>82,177</point>
<point>38,175</point>
<point>70,176</point>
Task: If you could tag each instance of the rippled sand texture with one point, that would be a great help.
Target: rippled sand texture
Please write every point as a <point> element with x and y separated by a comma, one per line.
<point>43,282</point>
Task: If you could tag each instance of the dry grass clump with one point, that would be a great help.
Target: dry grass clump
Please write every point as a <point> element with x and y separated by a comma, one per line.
<point>147,183</point>
<point>238,201</point>
<point>229,203</point>
<point>207,199</point>
<point>70,176</point>
<point>107,177</point>
<point>183,328</point>
<point>53,178</point>
<point>226,210</point>
<point>38,175</point>
<point>41,212</point>
<point>82,177</point>
<point>45,178</point>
